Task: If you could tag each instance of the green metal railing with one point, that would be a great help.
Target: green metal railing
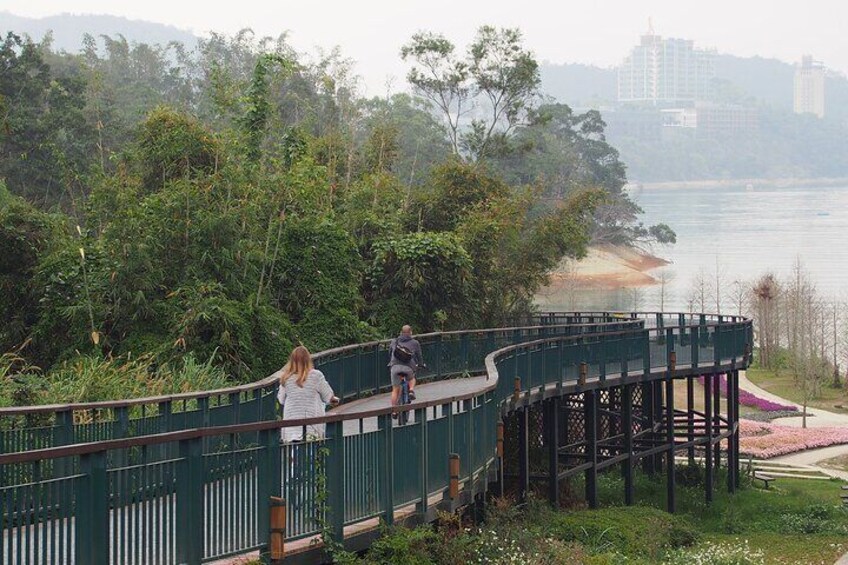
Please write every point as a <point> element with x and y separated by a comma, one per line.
<point>195,494</point>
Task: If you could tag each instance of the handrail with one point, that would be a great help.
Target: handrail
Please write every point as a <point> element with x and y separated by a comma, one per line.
<point>203,479</point>
<point>317,358</point>
<point>326,354</point>
<point>492,380</point>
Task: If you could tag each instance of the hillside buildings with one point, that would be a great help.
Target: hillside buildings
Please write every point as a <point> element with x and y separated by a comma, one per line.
<point>667,86</point>
<point>666,72</point>
<point>809,87</point>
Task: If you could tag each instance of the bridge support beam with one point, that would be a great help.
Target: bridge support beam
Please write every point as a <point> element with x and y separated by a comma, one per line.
<point>523,416</point>
<point>627,423</point>
<point>647,421</point>
<point>735,389</point>
<point>656,460</point>
<point>708,431</point>
<point>551,427</point>
<point>669,439</point>
<point>733,438</point>
<point>717,419</point>
<point>690,419</point>
<point>590,408</point>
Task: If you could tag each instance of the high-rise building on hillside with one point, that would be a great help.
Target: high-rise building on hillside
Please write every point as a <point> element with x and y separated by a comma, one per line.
<point>666,72</point>
<point>809,87</point>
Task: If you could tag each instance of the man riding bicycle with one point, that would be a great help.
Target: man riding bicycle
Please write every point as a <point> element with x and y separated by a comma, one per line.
<point>404,361</point>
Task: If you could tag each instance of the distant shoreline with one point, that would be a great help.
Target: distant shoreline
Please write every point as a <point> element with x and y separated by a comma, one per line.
<point>607,267</point>
<point>756,183</point>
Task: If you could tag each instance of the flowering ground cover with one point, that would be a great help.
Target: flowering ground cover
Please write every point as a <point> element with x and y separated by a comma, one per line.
<point>765,440</point>
<point>749,399</point>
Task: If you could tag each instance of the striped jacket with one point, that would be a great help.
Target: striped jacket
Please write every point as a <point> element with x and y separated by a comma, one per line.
<point>309,401</point>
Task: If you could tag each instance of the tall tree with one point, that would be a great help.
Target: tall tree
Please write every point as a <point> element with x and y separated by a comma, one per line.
<point>482,96</point>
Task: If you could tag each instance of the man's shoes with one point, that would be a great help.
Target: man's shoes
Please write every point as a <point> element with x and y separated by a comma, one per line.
<point>394,416</point>
<point>411,395</point>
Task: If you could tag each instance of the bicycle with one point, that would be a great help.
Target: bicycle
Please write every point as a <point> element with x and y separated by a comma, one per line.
<point>405,398</point>
<point>403,417</point>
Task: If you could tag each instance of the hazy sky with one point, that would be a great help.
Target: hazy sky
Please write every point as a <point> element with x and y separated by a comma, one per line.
<point>600,32</point>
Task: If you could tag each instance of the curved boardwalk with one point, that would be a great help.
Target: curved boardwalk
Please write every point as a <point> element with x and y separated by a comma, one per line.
<point>192,478</point>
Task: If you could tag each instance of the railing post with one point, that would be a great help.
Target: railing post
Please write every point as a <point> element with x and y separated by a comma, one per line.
<point>437,365</point>
<point>64,435</point>
<point>277,521</point>
<point>335,470</point>
<point>271,506</point>
<point>189,513</point>
<point>463,345</point>
<point>453,474</point>
<point>421,420</point>
<point>384,422</point>
<point>91,542</point>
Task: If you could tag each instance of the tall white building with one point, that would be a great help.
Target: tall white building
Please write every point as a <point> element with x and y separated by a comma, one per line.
<point>665,72</point>
<point>809,87</point>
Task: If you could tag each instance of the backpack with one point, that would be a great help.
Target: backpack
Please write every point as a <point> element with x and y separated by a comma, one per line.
<point>402,353</point>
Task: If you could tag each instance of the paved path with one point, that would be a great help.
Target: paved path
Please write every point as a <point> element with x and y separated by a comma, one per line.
<point>424,392</point>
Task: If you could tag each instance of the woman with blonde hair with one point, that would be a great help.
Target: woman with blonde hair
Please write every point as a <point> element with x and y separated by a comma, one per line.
<point>303,393</point>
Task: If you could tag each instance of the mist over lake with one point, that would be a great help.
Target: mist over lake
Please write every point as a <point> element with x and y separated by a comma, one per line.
<point>748,230</point>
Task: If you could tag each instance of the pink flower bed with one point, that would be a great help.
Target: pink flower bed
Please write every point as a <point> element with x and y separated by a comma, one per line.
<point>765,440</point>
<point>748,399</point>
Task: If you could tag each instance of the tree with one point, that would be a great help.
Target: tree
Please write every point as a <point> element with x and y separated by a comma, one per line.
<point>766,294</point>
<point>481,97</point>
<point>664,277</point>
<point>44,139</point>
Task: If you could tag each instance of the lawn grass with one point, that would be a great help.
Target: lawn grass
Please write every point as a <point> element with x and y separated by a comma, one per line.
<point>795,521</point>
<point>782,384</point>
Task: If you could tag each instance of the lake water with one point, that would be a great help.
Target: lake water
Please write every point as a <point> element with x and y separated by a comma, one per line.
<point>747,231</point>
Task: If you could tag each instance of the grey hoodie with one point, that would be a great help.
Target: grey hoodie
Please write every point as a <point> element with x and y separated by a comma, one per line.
<point>410,343</point>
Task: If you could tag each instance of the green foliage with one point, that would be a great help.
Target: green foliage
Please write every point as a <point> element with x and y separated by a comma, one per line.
<point>89,378</point>
<point>228,203</point>
<point>413,276</point>
<point>316,282</point>
<point>173,146</point>
<point>44,138</point>
<point>26,235</point>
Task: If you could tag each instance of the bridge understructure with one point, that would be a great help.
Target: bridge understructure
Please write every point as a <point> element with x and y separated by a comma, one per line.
<point>201,477</point>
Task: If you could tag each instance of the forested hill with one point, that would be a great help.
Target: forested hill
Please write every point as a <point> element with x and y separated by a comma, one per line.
<point>68,29</point>
<point>173,218</point>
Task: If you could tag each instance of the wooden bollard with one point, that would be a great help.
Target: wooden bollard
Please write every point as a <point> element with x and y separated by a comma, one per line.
<point>278,528</point>
<point>672,361</point>
<point>584,372</point>
<point>516,389</point>
<point>453,467</point>
<point>500,442</point>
